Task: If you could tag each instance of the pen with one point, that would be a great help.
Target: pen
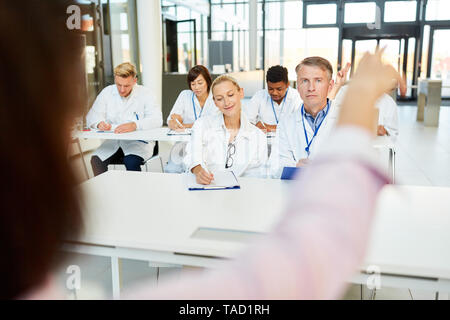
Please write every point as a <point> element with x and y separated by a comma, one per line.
<point>137,117</point>
<point>262,122</point>
<point>179,123</point>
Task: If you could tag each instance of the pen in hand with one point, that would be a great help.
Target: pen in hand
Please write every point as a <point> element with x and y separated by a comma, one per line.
<point>179,123</point>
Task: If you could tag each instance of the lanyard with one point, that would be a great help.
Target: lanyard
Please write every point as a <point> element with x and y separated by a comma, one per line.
<point>193,107</point>
<point>308,143</point>
<point>283,102</point>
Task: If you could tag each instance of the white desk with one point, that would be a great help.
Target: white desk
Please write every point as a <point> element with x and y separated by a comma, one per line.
<point>160,134</point>
<point>133,215</point>
<point>157,134</point>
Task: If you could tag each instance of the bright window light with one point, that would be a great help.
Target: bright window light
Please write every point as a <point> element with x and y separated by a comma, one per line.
<point>438,10</point>
<point>360,12</point>
<point>321,14</point>
<point>395,11</point>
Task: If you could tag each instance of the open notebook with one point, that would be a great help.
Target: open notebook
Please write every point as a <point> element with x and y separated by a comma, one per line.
<point>186,132</point>
<point>222,180</point>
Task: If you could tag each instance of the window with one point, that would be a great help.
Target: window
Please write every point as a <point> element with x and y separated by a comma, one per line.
<point>440,59</point>
<point>321,14</point>
<point>438,10</point>
<point>397,11</point>
<point>360,12</point>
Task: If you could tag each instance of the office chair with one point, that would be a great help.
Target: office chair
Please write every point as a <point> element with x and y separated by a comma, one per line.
<point>154,156</point>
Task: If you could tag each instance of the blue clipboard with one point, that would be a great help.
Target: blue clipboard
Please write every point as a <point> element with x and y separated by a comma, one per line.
<point>289,173</point>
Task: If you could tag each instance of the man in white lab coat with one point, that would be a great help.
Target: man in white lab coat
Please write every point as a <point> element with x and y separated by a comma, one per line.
<point>301,133</point>
<point>388,116</point>
<point>268,105</point>
<point>123,107</point>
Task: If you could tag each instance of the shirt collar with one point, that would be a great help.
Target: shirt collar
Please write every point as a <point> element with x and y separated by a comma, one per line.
<point>320,113</point>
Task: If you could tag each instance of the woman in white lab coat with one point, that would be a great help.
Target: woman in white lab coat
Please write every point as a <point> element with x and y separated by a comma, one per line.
<point>123,107</point>
<point>228,142</point>
<point>190,105</point>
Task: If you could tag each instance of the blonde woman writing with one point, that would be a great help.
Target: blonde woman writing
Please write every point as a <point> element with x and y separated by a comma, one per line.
<point>228,142</point>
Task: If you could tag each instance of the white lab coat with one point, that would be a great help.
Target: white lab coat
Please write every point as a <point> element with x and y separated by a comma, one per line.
<point>209,145</point>
<point>290,142</point>
<point>260,106</point>
<point>112,108</point>
<point>188,107</point>
<point>387,116</point>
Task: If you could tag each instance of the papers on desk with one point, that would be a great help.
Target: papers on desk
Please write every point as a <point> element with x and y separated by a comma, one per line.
<point>222,180</point>
<point>186,132</point>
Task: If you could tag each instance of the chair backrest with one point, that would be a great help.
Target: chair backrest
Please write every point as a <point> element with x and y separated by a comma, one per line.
<point>156,149</point>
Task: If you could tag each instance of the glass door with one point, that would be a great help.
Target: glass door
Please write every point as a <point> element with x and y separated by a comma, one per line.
<point>180,48</point>
<point>440,59</point>
<point>187,45</point>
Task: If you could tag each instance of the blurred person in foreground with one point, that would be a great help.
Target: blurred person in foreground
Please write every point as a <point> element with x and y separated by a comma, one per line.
<point>316,247</point>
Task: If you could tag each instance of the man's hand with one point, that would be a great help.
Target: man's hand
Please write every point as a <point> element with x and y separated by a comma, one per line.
<point>302,163</point>
<point>381,131</point>
<point>202,176</point>
<point>126,127</point>
<point>104,126</point>
<point>266,127</point>
<point>341,76</point>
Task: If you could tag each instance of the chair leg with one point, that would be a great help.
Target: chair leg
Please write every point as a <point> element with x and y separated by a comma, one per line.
<point>162,166</point>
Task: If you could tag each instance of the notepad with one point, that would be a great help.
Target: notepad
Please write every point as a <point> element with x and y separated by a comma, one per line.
<point>222,180</point>
<point>186,132</point>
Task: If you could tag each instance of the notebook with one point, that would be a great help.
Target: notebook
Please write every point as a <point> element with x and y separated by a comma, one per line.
<point>222,180</point>
<point>186,132</point>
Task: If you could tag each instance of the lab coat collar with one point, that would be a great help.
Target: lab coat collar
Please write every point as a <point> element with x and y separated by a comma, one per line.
<point>244,130</point>
<point>130,97</point>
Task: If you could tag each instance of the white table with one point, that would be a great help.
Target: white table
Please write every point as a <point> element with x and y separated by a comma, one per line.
<point>160,134</point>
<point>157,134</point>
<point>133,215</point>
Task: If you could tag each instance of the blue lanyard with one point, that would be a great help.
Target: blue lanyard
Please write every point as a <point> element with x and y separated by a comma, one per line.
<point>193,107</point>
<point>283,102</point>
<point>308,143</point>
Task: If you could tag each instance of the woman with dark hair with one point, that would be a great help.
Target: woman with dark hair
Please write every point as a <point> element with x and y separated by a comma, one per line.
<point>190,105</point>
<point>314,249</point>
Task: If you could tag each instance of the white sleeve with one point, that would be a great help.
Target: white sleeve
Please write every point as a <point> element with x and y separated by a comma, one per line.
<point>259,164</point>
<point>281,155</point>
<point>194,148</point>
<point>179,106</point>
<point>152,114</point>
<point>252,108</point>
<point>97,113</point>
<point>389,116</point>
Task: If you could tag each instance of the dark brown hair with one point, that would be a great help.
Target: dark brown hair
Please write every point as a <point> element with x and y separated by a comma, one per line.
<point>195,72</point>
<point>39,96</point>
<point>320,62</point>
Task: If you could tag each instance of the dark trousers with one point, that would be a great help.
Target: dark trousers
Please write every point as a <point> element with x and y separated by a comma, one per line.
<point>132,162</point>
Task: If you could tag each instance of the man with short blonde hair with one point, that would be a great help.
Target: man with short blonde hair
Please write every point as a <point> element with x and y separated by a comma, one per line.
<point>123,107</point>
<point>125,70</point>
